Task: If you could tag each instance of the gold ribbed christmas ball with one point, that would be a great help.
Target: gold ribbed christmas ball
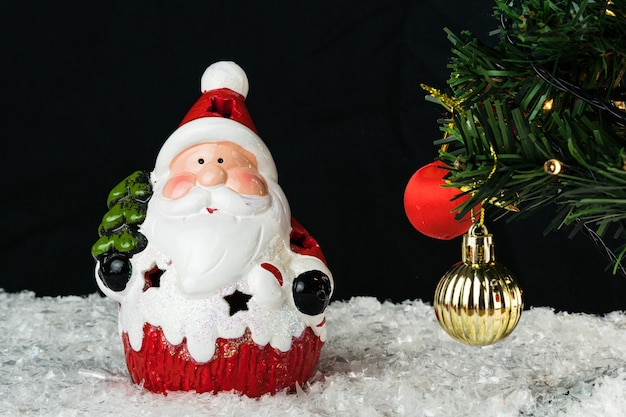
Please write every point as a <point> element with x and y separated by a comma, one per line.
<point>478,302</point>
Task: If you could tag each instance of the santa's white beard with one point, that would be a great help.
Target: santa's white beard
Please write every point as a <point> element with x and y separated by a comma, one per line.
<point>213,236</point>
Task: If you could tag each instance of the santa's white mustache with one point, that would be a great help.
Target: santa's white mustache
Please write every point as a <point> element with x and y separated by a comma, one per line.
<point>219,198</point>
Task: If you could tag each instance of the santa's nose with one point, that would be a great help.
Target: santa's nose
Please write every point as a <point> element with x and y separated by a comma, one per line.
<point>211,175</point>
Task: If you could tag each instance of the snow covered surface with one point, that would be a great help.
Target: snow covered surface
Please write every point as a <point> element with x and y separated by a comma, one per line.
<point>63,357</point>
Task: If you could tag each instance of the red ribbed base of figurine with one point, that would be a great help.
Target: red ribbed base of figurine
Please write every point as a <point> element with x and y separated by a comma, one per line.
<point>238,364</point>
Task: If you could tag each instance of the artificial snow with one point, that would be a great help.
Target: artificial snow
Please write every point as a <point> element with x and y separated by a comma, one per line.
<point>63,357</point>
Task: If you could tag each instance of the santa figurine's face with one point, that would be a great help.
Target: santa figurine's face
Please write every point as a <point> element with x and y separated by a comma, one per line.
<point>210,215</point>
<point>213,176</point>
<point>212,164</point>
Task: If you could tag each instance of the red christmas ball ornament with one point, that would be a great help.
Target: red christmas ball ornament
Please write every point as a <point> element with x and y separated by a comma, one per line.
<point>429,204</point>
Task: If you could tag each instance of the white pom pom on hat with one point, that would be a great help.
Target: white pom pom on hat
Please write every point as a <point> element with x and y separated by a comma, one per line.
<point>225,74</point>
<point>220,114</point>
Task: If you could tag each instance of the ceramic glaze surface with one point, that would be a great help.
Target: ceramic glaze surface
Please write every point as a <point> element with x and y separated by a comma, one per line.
<point>221,259</point>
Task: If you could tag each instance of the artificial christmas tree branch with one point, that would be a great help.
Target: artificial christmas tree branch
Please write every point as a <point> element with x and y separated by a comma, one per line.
<point>546,102</point>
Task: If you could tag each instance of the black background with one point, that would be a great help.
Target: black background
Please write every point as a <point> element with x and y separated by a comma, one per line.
<point>91,91</point>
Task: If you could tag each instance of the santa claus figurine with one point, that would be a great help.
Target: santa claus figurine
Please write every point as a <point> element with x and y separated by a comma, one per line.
<point>219,289</point>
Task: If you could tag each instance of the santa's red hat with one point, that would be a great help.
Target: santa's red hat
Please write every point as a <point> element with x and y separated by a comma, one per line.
<point>220,114</point>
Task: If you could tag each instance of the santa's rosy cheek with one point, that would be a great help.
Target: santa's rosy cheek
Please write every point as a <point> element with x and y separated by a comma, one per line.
<point>179,185</point>
<point>247,182</point>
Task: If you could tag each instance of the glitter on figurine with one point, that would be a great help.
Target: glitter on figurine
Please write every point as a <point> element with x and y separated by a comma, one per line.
<point>219,288</point>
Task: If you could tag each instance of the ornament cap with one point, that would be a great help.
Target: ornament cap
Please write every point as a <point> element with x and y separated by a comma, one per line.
<point>478,248</point>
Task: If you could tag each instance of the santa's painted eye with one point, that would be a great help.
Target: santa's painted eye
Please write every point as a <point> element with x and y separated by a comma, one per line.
<point>220,160</point>
<point>201,161</point>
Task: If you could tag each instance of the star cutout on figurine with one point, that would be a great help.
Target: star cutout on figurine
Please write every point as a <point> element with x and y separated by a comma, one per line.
<point>237,301</point>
